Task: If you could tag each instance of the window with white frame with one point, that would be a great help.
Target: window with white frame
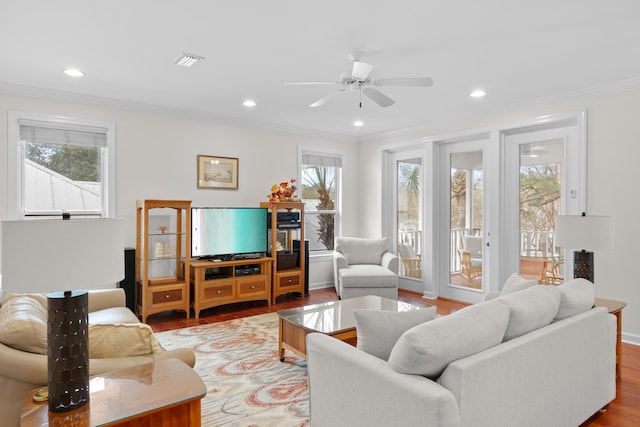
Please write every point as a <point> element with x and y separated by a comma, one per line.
<point>320,189</point>
<point>62,165</point>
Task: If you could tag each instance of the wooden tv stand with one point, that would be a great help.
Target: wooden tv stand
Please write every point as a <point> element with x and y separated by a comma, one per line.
<point>215,283</point>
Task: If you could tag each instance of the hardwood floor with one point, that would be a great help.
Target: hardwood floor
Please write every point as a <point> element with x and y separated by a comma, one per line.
<point>624,411</point>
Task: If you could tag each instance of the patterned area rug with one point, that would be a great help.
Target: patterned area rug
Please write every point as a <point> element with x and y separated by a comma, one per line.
<point>246,382</point>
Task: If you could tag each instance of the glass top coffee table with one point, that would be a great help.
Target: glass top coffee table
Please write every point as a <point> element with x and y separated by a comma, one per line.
<point>334,318</point>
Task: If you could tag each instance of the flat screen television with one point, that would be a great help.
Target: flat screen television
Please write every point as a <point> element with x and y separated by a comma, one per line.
<point>228,232</point>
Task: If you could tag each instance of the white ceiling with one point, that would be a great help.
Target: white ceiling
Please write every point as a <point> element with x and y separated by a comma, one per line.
<point>520,52</point>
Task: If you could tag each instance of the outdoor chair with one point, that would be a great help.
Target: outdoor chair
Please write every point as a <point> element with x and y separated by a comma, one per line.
<point>471,257</point>
<point>411,262</point>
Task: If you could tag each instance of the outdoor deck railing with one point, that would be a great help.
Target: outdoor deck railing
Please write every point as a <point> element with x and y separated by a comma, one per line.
<point>535,244</point>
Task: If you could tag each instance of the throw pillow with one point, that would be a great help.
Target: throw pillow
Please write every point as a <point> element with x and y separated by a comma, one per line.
<point>121,340</point>
<point>530,309</point>
<point>576,296</point>
<point>428,348</point>
<point>379,330</point>
<point>23,324</point>
<point>516,283</point>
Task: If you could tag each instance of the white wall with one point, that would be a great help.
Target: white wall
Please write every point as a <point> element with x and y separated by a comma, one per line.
<point>613,156</point>
<point>156,159</point>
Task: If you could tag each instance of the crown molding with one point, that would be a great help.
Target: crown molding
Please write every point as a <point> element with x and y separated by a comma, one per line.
<point>54,95</point>
<point>576,95</point>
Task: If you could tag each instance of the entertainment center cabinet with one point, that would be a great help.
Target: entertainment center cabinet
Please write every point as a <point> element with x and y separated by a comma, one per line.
<point>288,264</point>
<point>162,256</point>
<point>215,282</point>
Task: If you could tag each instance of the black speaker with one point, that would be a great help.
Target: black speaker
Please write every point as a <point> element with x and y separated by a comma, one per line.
<point>296,248</point>
<point>129,281</point>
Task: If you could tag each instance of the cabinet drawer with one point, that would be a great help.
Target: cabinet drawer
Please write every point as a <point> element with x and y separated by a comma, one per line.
<point>218,292</point>
<point>293,280</point>
<point>162,297</point>
<point>249,287</point>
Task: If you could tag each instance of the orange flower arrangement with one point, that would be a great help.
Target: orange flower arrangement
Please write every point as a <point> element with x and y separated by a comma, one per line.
<point>286,190</point>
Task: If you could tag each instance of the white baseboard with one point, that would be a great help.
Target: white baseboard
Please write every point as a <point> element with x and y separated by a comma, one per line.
<point>320,285</point>
<point>631,338</point>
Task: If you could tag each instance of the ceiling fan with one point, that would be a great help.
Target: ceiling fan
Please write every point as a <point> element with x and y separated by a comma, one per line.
<point>358,80</point>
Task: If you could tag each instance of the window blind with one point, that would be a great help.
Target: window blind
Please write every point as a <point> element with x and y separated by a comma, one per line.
<point>329,160</point>
<point>54,133</point>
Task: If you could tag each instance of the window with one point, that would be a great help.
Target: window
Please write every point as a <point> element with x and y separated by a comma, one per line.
<point>320,189</point>
<point>62,165</point>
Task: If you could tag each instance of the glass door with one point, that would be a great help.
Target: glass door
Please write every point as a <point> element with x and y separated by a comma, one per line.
<point>409,217</point>
<point>462,221</point>
<point>541,169</point>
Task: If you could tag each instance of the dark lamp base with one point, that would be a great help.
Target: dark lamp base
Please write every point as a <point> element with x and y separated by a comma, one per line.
<point>68,352</point>
<point>583,265</point>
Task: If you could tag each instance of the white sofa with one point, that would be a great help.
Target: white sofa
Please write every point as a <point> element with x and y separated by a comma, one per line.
<point>365,267</point>
<point>117,340</point>
<point>557,374</point>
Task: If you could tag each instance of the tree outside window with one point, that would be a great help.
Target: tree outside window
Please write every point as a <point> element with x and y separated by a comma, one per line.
<point>319,187</point>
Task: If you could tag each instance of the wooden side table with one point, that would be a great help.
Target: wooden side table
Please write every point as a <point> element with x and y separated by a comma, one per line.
<point>162,393</point>
<point>615,308</point>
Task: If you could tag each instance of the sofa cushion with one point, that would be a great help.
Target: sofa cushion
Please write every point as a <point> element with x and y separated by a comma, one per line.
<point>515,283</point>
<point>530,309</point>
<point>379,330</point>
<point>112,315</point>
<point>362,251</point>
<point>121,340</point>
<point>23,324</point>
<point>576,296</point>
<point>367,276</point>
<point>428,348</point>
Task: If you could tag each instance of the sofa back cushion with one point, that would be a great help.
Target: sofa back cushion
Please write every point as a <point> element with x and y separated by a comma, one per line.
<point>23,323</point>
<point>379,330</point>
<point>428,348</point>
<point>516,283</point>
<point>360,250</point>
<point>530,309</point>
<point>576,296</point>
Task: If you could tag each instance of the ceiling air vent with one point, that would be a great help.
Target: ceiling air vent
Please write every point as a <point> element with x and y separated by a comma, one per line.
<point>186,60</point>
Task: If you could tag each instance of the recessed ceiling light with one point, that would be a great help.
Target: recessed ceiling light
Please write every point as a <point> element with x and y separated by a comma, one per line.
<point>186,60</point>
<point>73,72</point>
<point>478,93</point>
<point>249,103</point>
<point>358,123</point>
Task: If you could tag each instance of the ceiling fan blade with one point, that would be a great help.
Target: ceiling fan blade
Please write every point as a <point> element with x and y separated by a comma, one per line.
<point>320,102</point>
<point>378,97</point>
<point>310,83</point>
<point>408,82</point>
<point>361,70</point>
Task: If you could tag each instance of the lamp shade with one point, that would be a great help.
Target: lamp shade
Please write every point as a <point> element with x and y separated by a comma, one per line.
<point>590,232</point>
<point>65,258</point>
<point>58,255</point>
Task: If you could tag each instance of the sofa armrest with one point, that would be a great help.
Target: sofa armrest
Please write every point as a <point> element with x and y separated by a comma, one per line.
<point>390,261</point>
<point>23,366</point>
<point>352,388</point>
<point>339,262</point>
<point>100,299</point>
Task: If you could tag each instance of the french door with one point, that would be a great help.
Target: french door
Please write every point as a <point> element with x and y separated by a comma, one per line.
<point>487,204</point>
<point>408,218</point>
<point>463,229</point>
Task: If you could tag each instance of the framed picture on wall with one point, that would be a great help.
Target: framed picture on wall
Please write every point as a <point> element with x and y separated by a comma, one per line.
<point>217,172</point>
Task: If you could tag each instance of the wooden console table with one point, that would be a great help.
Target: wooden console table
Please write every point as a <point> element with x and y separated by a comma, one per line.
<point>615,308</point>
<point>215,283</point>
<point>162,393</point>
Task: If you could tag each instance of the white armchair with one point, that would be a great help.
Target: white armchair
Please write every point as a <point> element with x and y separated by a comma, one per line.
<point>365,267</point>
